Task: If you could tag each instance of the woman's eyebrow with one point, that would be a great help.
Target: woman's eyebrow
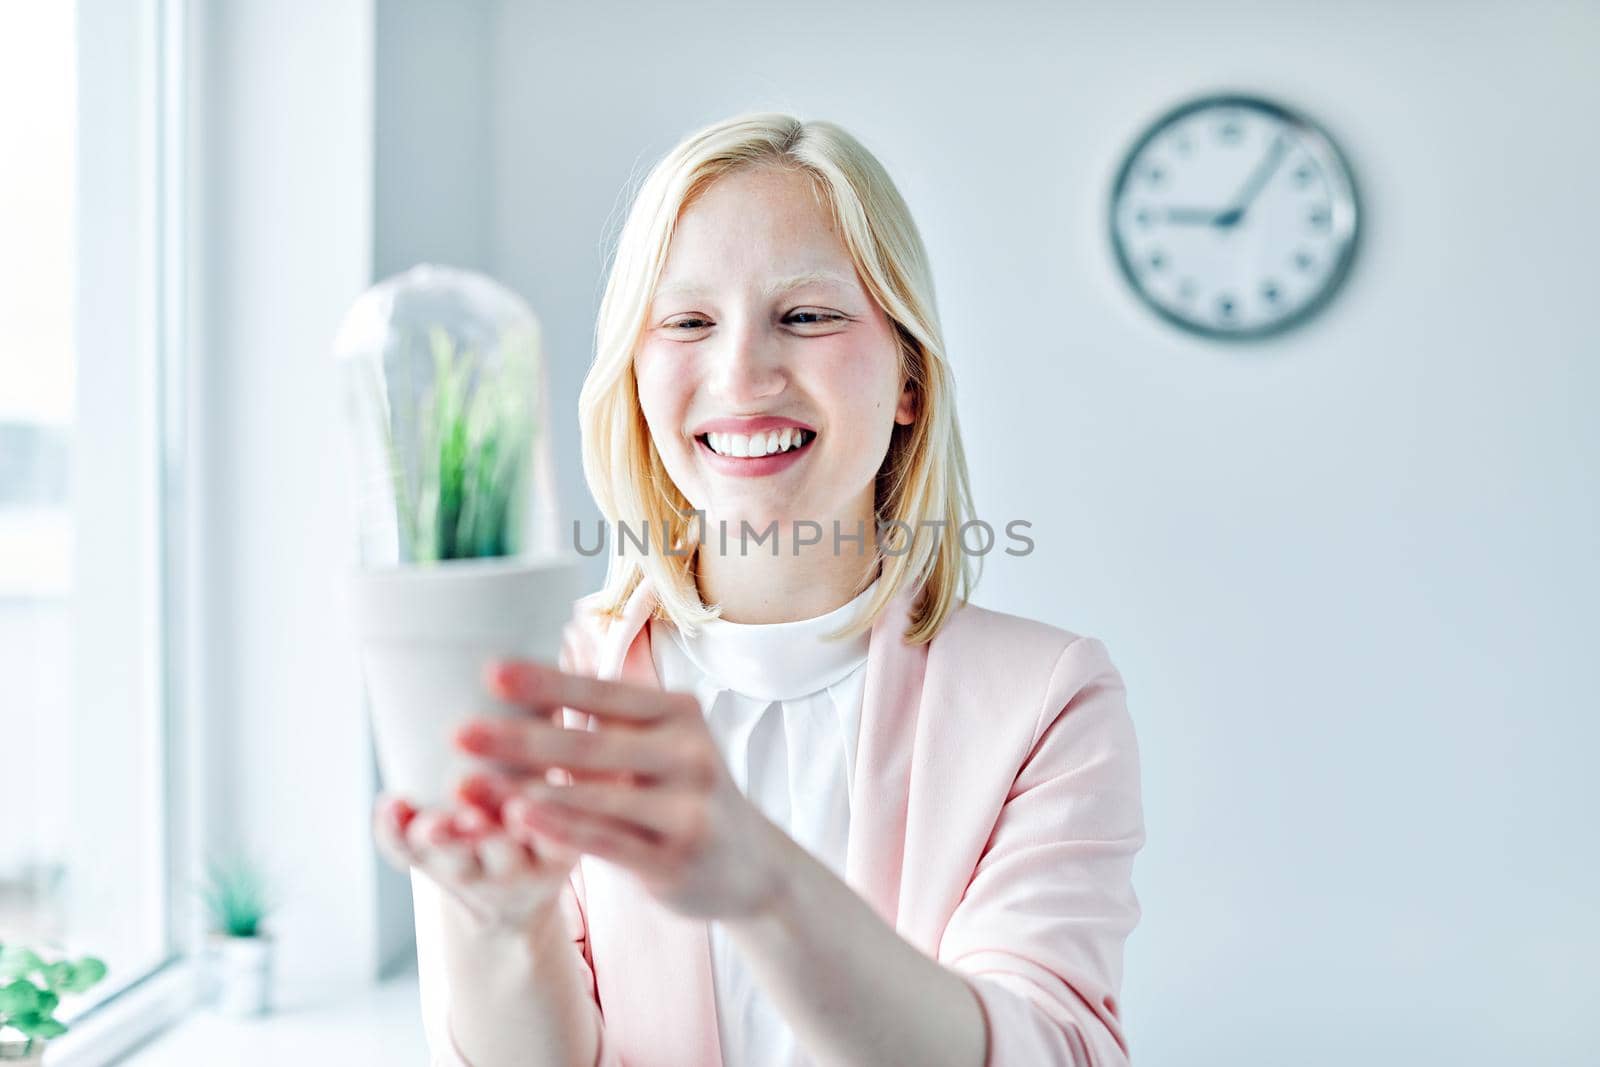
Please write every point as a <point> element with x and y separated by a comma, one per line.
<point>770,289</point>
<point>810,277</point>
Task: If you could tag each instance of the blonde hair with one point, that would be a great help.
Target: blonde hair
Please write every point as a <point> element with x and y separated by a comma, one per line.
<point>924,474</point>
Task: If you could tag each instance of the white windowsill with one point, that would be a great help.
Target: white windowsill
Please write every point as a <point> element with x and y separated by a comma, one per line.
<point>103,1034</point>
<point>379,1027</point>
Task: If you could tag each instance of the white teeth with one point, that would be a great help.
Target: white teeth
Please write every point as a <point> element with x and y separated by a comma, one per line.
<point>757,445</point>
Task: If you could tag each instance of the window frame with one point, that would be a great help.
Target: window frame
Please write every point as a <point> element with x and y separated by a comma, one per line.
<point>162,76</point>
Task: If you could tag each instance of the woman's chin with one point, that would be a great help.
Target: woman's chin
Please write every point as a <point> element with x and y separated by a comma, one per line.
<point>757,524</point>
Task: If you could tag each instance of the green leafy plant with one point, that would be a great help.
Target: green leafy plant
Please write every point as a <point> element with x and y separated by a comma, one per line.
<point>236,895</point>
<point>31,989</point>
<point>475,439</point>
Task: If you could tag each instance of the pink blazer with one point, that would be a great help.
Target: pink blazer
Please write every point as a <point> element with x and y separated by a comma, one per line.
<point>997,834</point>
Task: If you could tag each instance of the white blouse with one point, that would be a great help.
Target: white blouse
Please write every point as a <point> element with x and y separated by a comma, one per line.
<point>784,706</point>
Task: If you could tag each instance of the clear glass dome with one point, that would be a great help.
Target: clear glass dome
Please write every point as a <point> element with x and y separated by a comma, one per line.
<point>445,399</point>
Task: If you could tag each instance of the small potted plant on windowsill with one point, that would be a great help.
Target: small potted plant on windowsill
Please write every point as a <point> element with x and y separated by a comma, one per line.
<point>30,990</point>
<point>240,948</point>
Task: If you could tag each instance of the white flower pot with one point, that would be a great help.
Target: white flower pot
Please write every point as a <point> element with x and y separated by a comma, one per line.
<point>12,1054</point>
<point>426,634</point>
<point>241,970</point>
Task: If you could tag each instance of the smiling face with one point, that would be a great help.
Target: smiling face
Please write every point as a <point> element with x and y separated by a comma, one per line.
<point>763,345</point>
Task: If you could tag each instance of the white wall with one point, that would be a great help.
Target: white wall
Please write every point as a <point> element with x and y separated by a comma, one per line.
<point>432,143</point>
<point>433,135</point>
<point>285,243</point>
<point>1346,574</point>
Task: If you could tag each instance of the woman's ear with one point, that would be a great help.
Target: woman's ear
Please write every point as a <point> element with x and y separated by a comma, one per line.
<point>905,413</point>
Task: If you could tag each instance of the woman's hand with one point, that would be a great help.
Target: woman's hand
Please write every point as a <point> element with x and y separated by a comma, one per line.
<point>503,878</point>
<point>647,790</point>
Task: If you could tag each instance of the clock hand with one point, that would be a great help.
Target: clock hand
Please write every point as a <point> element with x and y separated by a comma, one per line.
<point>1189,216</point>
<point>1253,186</point>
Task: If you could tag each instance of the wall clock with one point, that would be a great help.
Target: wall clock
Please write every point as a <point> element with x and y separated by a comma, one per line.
<point>1233,217</point>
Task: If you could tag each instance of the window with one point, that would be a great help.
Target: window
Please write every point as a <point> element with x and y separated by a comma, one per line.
<point>88,827</point>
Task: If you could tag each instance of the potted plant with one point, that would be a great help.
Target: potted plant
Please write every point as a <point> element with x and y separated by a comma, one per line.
<point>444,391</point>
<point>240,949</point>
<point>30,991</point>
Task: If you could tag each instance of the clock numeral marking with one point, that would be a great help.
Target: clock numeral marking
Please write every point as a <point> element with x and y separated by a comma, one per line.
<point>1158,260</point>
<point>1270,291</point>
<point>1304,175</point>
<point>1230,132</point>
<point>1226,306</point>
<point>1186,289</point>
<point>1303,260</point>
<point>1319,217</point>
<point>1155,175</point>
<point>1144,217</point>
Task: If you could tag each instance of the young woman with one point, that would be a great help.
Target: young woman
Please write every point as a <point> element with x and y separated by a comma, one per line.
<point>789,797</point>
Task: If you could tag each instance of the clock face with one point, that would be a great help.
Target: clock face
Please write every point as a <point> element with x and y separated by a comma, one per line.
<point>1234,218</point>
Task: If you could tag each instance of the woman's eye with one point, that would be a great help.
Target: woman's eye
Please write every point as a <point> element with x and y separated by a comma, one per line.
<point>797,318</point>
<point>812,318</point>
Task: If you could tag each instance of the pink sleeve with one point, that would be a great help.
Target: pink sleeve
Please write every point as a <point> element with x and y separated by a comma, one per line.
<point>1039,932</point>
<point>577,657</point>
<point>577,923</point>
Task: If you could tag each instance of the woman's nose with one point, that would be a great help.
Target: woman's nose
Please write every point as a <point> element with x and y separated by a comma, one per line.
<point>747,367</point>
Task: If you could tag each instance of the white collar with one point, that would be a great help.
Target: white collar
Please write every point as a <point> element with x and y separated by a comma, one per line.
<point>779,660</point>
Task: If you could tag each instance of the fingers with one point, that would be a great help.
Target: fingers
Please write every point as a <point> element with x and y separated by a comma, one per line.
<point>457,847</point>
<point>540,687</point>
<point>579,832</point>
<point>406,837</point>
<point>499,877</point>
<point>528,746</point>
<point>659,813</point>
<point>441,848</point>
<point>523,826</point>
<point>390,818</point>
<point>439,841</point>
<point>504,859</point>
<point>486,793</point>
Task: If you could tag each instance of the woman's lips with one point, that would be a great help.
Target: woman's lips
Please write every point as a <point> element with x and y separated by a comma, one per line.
<point>752,466</point>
